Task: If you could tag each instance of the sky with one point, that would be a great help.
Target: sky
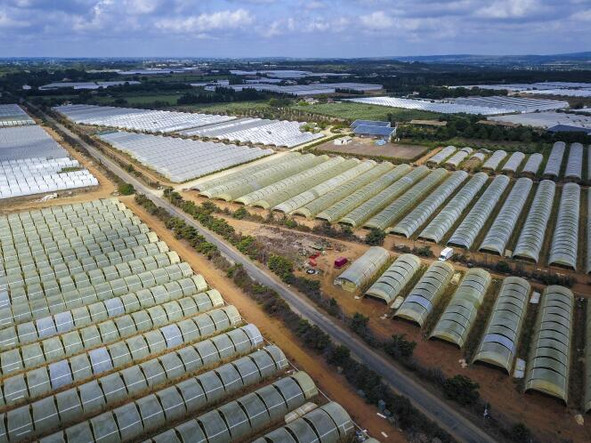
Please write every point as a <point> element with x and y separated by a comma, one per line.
<point>291,28</point>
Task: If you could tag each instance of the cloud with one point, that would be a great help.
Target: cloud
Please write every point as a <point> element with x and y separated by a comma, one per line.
<point>377,21</point>
<point>220,20</point>
<point>502,9</point>
<point>292,27</point>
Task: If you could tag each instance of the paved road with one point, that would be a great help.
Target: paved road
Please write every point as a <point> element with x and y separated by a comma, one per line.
<point>461,428</point>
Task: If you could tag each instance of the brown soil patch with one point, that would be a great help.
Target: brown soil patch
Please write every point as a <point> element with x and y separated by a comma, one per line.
<point>366,147</point>
<point>334,385</point>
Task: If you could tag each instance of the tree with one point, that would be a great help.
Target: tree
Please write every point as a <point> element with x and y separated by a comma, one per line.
<point>520,433</point>
<point>281,266</point>
<point>399,347</point>
<point>375,237</point>
<point>359,323</point>
<point>338,355</point>
<point>126,189</point>
<point>240,213</point>
<point>461,389</point>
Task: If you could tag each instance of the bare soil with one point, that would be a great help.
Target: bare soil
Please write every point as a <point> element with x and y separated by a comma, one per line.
<point>366,147</point>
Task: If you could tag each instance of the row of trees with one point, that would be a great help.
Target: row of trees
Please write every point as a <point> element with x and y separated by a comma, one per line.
<point>468,126</point>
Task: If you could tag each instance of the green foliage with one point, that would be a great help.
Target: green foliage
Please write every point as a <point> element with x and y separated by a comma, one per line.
<point>279,102</point>
<point>375,237</point>
<point>240,213</point>
<point>424,251</point>
<point>520,433</point>
<point>503,267</point>
<point>126,189</point>
<point>338,355</point>
<point>461,389</point>
<point>399,347</point>
<point>281,266</point>
<point>358,323</point>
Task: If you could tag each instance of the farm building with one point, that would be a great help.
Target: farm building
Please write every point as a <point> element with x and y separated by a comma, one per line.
<point>370,128</point>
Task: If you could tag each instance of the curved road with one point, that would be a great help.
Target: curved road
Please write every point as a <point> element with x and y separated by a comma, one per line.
<point>460,427</point>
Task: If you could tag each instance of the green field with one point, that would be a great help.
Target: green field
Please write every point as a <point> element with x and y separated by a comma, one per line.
<point>344,110</point>
<point>354,111</point>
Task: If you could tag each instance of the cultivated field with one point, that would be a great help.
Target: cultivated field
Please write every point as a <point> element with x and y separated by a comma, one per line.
<point>366,147</point>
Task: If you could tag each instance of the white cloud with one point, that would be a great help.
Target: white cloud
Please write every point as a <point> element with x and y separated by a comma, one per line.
<point>8,22</point>
<point>141,6</point>
<point>377,21</point>
<point>502,9</point>
<point>202,23</point>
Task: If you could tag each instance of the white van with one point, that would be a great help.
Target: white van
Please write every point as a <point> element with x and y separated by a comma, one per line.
<point>446,254</point>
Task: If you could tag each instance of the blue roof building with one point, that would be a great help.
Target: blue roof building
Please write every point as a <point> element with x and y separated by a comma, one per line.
<point>369,122</point>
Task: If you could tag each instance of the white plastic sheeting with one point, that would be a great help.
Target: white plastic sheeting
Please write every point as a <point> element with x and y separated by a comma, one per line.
<point>409,224</point>
<point>470,227</point>
<point>532,166</point>
<point>438,158</point>
<point>13,115</point>
<point>565,242</point>
<point>533,233</point>
<point>574,165</point>
<point>258,131</point>
<point>28,142</point>
<point>438,227</point>
<point>180,160</point>
<point>469,105</point>
<point>37,176</point>
<point>145,120</point>
<point>555,160</point>
<point>498,236</point>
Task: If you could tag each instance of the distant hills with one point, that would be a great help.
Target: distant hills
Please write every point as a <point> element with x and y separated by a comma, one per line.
<point>475,59</point>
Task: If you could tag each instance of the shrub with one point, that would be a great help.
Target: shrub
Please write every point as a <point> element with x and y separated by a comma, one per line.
<point>503,267</point>
<point>375,237</point>
<point>126,189</point>
<point>358,323</point>
<point>461,389</point>
<point>240,213</point>
<point>399,347</point>
<point>520,433</point>
<point>281,267</point>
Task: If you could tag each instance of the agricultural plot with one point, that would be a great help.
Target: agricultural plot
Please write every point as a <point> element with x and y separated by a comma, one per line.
<point>458,318</point>
<point>257,131</point>
<point>178,159</point>
<point>14,115</point>
<point>137,119</point>
<point>565,241</point>
<point>498,344</point>
<point>106,335</point>
<point>31,162</point>
<point>533,233</point>
<point>454,208</point>
<point>549,363</point>
<point>219,127</point>
<point>469,105</point>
